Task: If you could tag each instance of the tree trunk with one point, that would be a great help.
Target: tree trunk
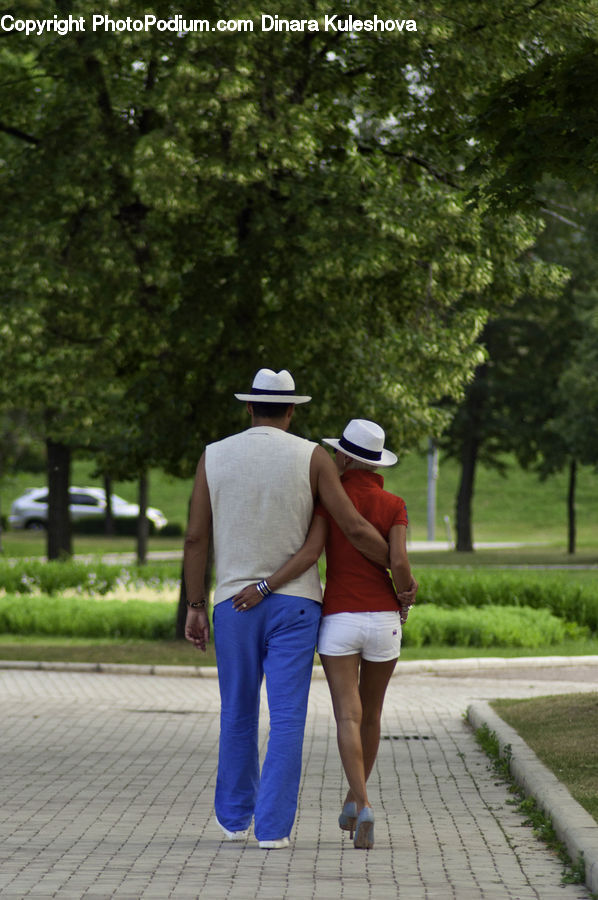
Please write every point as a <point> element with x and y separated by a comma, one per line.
<point>59,523</point>
<point>142,522</point>
<point>109,520</point>
<point>571,524</point>
<point>469,455</point>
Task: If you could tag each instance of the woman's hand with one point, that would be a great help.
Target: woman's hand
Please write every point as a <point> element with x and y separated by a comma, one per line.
<point>247,598</point>
<point>403,613</point>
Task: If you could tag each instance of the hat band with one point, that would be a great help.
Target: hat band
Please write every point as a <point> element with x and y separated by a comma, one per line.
<point>277,393</point>
<point>355,448</point>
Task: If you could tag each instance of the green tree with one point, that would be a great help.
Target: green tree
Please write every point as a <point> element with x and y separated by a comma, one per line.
<point>533,396</point>
<point>19,449</point>
<point>511,397</point>
<point>181,209</point>
<point>540,124</point>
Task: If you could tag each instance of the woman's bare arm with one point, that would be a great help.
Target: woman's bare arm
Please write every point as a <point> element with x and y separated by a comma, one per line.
<point>303,559</point>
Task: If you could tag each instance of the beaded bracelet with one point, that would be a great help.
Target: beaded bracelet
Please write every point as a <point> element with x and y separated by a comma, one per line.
<point>264,588</point>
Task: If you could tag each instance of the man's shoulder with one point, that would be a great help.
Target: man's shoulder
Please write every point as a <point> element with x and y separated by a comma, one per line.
<point>282,438</point>
<point>299,440</point>
<point>229,439</point>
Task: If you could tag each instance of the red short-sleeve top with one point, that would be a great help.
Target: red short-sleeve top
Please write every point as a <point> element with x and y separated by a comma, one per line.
<point>354,583</point>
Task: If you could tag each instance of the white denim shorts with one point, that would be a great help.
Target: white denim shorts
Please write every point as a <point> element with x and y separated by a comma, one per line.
<point>375,635</point>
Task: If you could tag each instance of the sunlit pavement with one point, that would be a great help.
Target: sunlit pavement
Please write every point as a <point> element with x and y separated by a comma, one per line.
<point>108,784</point>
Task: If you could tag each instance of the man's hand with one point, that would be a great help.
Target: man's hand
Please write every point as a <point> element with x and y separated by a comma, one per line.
<point>407,598</point>
<point>247,598</point>
<point>197,628</point>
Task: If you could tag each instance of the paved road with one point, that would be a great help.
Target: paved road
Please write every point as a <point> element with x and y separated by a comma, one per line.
<point>107,786</point>
<point>166,555</point>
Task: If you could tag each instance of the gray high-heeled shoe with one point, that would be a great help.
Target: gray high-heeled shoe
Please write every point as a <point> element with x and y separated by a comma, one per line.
<point>348,817</point>
<point>364,830</point>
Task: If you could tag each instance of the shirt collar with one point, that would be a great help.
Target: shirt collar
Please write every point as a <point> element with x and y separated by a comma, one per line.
<point>362,476</point>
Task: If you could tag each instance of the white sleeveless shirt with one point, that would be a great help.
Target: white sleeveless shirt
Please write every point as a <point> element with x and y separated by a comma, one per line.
<point>262,508</point>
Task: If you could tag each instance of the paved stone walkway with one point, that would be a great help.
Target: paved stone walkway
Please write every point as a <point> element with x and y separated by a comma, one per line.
<point>107,784</point>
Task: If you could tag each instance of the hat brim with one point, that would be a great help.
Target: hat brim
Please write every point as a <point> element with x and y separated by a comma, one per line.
<point>387,459</point>
<point>272,398</point>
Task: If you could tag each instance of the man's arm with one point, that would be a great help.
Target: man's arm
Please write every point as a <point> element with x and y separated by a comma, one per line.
<point>327,485</point>
<point>197,542</point>
<point>399,563</point>
<point>405,584</point>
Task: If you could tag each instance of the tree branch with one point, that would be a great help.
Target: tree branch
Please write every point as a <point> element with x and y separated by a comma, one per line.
<point>21,135</point>
<point>560,218</point>
<point>70,338</point>
<point>493,24</point>
<point>443,177</point>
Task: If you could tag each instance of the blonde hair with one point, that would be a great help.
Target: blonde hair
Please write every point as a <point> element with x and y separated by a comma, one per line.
<point>357,464</point>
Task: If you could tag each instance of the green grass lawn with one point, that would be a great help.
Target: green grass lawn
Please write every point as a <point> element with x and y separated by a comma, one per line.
<point>25,543</point>
<point>127,652</point>
<point>561,730</point>
<point>518,507</point>
<point>181,653</point>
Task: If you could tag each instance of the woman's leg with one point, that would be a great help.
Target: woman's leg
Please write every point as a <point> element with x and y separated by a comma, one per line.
<point>373,681</point>
<point>342,675</point>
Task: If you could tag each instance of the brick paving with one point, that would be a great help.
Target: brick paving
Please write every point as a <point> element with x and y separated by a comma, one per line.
<point>107,785</point>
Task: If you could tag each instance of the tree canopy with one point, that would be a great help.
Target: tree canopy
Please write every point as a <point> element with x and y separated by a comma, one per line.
<point>180,209</point>
<point>540,123</point>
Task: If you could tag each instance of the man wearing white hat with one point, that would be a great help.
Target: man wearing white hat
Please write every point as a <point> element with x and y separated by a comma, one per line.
<point>255,492</point>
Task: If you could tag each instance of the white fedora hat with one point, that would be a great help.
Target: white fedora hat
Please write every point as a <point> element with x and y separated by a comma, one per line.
<point>364,441</point>
<point>273,387</point>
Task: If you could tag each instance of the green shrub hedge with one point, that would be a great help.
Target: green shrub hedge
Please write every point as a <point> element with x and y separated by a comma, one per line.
<point>465,607</point>
<point>87,617</point>
<point>36,576</point>
<point>567,600</point>
<point>487,626</point>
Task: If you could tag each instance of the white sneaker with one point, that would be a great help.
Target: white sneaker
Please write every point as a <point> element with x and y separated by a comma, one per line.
<point>233,835</point>
<point>274,845</point>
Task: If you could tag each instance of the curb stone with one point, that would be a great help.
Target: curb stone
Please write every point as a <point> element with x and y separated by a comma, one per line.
<point>415,666</point>
<point>573,825</point>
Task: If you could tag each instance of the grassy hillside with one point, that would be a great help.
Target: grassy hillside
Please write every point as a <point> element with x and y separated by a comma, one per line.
<point>518,507</point>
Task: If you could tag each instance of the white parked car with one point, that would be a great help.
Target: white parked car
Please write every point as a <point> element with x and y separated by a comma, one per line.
<point>31,509</point>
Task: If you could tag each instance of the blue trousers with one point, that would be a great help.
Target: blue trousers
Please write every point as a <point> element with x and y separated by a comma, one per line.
<point>276,638</point>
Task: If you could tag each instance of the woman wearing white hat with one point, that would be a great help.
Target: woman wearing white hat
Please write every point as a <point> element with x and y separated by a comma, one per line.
<point>360,634</point>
